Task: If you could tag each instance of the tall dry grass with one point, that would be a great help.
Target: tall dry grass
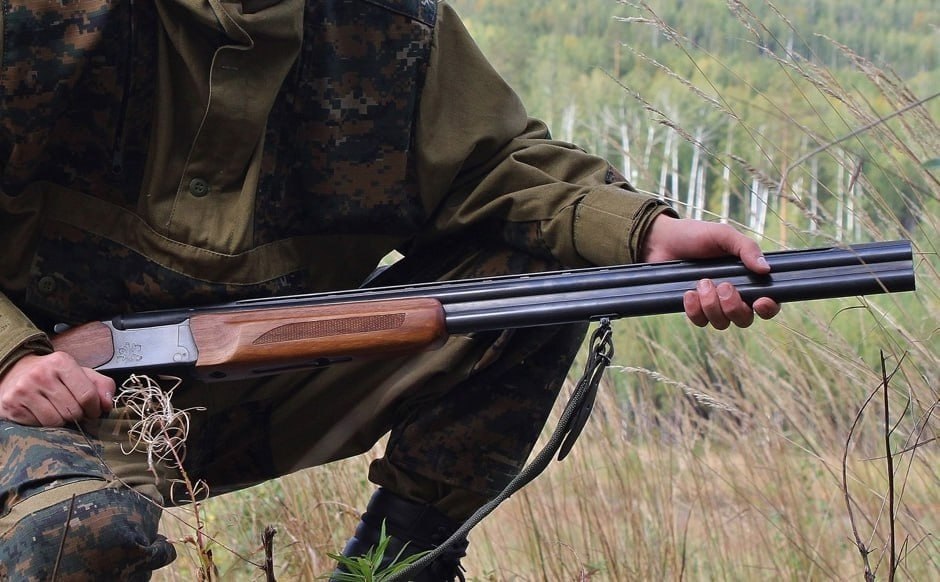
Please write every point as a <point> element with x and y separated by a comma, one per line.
<point>738,455</point>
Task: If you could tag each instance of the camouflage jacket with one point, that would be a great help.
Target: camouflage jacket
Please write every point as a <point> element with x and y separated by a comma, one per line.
<point>172,152</point>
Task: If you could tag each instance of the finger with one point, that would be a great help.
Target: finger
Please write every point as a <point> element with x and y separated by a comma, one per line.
<point>81,394</point>
<point>104,389</point>
<point>752,257</point>
<point>711,304</point>
<point>693,309</point>
<point>731,241</point>
<point>44,412</point>
<point>19,413</point>
<point>733,307</point>
<point>766,308</point>
<point>60,398</point>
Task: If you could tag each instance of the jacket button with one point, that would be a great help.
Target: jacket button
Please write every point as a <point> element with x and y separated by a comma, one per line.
<point>198,187</point>
<point>46,284</point>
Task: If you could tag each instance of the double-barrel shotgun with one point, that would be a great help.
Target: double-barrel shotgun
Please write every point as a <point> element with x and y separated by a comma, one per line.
<point>272,335</point>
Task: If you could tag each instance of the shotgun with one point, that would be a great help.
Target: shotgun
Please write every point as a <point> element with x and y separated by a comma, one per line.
<point>257,337</point>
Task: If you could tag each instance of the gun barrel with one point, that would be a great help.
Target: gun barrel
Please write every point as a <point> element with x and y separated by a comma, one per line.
<point>565,281</point>
<point>558,284</point>
<point>617,303</point>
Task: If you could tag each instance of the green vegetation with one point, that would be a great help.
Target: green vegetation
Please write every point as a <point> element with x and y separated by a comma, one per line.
<point>713,103</point>
<point>368,568</point>
<point>754,454</point>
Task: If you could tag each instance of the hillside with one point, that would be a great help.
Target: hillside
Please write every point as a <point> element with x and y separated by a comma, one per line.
<point>710,101</point>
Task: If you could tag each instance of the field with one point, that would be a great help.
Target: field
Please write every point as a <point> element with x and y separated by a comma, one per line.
<point>740,478</point>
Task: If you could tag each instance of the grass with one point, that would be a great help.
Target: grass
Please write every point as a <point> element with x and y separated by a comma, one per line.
<point>677,476</point>
<point>756,454</point>
<point>673,500</point>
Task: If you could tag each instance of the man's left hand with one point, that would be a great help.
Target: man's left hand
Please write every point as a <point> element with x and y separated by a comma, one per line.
<point>720,305</point>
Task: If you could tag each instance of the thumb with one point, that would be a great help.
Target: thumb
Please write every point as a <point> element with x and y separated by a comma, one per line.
<point>746,249</point>
<point>753,258</point>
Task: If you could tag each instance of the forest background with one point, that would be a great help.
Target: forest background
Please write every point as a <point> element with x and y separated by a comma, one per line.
<point>802,448</point>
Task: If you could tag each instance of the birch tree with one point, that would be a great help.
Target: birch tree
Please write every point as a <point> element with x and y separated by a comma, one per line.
<point>664,167</point>
<point>726,177</point>
<point>814,194</point>
<point>690,196</point>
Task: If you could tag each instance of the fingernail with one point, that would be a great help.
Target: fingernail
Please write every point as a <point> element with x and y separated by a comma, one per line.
<point>763,262</point>
<point>725,291</point>
<point>704,285</point>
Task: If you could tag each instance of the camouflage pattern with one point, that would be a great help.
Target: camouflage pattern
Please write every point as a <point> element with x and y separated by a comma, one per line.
<point>110,532</point>
<point>338,155</point>
<point>77,261</point>
<point>477,435</point>
<point>111,535</point>
<point>35,460</point>
<point>480,434</point>
<point>77,89</point>
<point>73,93</point>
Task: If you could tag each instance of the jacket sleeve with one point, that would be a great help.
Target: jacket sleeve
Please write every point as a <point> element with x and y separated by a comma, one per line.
<point>483,164</point>
<point>18,335</point>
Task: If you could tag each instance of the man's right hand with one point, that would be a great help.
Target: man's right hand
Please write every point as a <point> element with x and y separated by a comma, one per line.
<point>53,390</point>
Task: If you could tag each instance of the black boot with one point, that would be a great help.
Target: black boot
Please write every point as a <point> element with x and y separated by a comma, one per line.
<point>414,526</point>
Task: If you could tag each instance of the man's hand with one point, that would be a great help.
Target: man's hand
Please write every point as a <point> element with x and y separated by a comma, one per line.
<point>721,305</point>
<point>52,390</point>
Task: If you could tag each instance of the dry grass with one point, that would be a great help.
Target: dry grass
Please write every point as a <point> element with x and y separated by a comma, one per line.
<point>668,497</point>
<point>678,476</point>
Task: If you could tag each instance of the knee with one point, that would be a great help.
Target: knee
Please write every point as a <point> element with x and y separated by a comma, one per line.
<point>106,534</point>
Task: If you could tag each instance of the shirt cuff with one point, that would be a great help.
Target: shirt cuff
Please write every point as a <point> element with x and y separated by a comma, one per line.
<point>611,224</point>
<point>18,336</point>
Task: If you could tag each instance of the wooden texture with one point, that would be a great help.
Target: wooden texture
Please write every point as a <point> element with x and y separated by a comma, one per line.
<point>90,344</point>
<point>235,342</point>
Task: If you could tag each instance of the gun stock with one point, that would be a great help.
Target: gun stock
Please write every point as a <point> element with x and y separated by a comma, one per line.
<point>90,344</point>
<point>266,336</point>
<point>263,341</point>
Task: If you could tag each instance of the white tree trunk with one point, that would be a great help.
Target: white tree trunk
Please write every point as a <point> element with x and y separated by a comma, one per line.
<point>840,196</point>
<point>852,223</point>
<point>567,122</point>
<point>700,192</point>
<point>674,167</point>
<point>762,221</point>
<point>664,169</point>
<point>648,151</point>
<point>690,196</point>
<point>814,195</point>
<point>726,177</point>
<point>850,213</point>
<point>627,167</point>
<point>752,205</point>
<point>757,215</point>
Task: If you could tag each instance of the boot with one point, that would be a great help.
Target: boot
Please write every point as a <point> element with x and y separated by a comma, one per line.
<point>416,527</point>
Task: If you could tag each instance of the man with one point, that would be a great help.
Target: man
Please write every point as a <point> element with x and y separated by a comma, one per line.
<point>184,152</point>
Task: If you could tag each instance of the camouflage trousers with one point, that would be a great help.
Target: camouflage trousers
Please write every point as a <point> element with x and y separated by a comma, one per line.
<point>463,419</point>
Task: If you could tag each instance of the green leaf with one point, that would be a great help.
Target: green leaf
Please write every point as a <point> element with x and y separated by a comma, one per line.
<point>365,568</point>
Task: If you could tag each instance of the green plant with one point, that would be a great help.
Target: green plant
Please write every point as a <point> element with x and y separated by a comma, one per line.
<point>367,568</point>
